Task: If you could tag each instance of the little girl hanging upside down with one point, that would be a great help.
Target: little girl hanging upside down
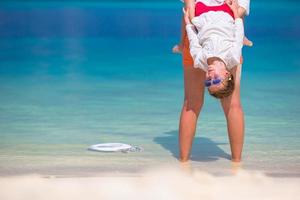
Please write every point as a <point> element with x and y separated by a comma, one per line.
<point>178,47</point>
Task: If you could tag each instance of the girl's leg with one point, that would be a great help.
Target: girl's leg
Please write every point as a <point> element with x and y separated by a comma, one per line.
<point>235,118</point>
<point>247,42</point>
<point>178,47</point>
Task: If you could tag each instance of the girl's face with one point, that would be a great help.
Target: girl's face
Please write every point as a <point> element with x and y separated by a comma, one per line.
<point>217,70</point>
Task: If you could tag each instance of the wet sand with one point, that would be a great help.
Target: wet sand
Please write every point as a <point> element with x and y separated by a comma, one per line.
<point>161,183</point>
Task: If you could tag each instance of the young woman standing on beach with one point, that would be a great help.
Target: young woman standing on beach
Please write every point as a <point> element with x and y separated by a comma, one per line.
<point>194,87</point>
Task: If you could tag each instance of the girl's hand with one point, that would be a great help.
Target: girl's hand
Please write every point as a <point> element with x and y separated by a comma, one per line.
<point>234,6</point>
<point>186,16</point>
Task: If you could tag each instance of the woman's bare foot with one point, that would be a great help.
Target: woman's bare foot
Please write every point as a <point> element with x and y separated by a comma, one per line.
<point>236,167</point>
<point>247,42</point>
<point>186,167</point>
<point>177,48</point>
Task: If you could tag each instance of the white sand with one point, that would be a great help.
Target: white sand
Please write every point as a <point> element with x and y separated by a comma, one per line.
<point>164,183</point>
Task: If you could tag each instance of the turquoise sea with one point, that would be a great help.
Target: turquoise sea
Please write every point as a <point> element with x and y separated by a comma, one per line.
<point>77,74</point>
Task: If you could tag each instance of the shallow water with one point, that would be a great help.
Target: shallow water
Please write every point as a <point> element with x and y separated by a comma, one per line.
<point>72,75</point>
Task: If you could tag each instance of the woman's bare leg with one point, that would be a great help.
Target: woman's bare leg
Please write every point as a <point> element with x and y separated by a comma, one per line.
<point>193,101</point>
<point>235,118</point>
<point>193,94</point>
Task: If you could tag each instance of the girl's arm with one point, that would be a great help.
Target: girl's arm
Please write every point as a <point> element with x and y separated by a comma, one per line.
<point>195,47</point>
<point>242,12</point>
<point>239,33</point>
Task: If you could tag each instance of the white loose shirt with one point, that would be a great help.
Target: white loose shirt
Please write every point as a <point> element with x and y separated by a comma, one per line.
<point>215,34</point>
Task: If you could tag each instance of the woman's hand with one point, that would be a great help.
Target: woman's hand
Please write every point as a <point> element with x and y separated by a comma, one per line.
<point>234,6</point>
<point>190,7</point>
<point>186,16</point>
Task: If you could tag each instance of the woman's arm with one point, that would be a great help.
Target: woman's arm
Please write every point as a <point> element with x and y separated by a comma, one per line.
<point>244,7</point>
<point>241,12</point>
<point>190,7</point>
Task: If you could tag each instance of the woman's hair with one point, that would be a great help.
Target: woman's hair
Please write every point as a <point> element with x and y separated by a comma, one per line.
<point>225,91</point>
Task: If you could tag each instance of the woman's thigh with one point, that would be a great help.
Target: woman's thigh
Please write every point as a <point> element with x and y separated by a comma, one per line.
<point>234,99</point>
<point>193,79</point>
<point>193,88</point>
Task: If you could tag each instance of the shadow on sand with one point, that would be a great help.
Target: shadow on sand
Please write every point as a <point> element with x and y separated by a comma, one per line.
<point>204,149</point>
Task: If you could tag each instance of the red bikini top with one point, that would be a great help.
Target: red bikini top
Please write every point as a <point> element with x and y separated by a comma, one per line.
<point>201,8</point>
